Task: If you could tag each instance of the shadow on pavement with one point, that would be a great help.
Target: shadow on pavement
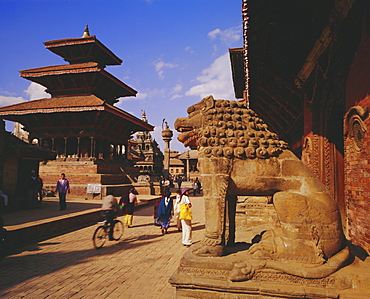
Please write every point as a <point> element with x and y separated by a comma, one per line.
<point>33,265</point>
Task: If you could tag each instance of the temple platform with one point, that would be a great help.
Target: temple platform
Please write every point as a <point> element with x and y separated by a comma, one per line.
<point>111,174</point>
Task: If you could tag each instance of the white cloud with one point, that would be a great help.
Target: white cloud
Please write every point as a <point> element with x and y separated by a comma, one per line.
<point>175,96</point>
<point>36,91</point>
<point>157,133</point>
<point>5,101</point>
<point>160,67</point>
<point>227,36</point>
<point>213,34</point>
<point>177,88</point>
<point>215,80</point>
<point>141,95</point>
<point>175,91</point>
<point>189,50</point>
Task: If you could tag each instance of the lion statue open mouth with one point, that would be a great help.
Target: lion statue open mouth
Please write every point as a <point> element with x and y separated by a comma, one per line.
<point>239,156</point>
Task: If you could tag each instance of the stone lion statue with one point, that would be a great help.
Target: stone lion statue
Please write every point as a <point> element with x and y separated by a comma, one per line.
<point>238,155</point>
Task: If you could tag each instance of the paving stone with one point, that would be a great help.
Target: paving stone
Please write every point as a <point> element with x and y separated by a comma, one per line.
<point>67,266</point>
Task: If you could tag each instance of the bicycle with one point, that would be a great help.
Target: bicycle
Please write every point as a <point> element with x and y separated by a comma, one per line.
<point>101,233</point>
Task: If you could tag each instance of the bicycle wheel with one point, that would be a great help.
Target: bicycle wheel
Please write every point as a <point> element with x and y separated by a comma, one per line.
<point>117,230</point>
<point>100,236</point>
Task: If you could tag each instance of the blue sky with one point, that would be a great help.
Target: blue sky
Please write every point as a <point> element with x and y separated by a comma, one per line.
<point>174,52</point>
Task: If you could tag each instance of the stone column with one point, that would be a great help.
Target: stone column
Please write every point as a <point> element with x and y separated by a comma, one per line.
<point>167,136</point>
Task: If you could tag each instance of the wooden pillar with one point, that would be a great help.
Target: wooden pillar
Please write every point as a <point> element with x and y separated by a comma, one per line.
<point>78,147</point>
<point>94,147</point>
<point>65,147</point>
<point>91,146</point>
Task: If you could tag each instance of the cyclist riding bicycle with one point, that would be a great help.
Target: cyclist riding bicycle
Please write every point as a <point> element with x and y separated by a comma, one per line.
<point>109,210</point>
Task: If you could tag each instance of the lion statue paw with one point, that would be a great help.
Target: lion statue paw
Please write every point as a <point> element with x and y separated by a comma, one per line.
<point>245,271</point>
<point>204,248</point>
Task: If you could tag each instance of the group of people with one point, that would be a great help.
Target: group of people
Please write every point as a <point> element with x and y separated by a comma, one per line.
<point>111,208</point>
<point>34,190</point>
<point>166,208</point>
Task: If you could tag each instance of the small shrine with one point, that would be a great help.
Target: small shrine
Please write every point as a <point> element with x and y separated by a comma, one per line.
<point>80,122</point>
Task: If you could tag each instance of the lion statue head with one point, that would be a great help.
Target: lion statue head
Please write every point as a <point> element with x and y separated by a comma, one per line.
<point>223,128</point>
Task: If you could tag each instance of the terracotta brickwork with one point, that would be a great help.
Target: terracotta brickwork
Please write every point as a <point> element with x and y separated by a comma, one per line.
<point>357,174</point>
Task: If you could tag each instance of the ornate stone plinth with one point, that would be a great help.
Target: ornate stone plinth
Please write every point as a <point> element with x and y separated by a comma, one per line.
<point>200,277</point>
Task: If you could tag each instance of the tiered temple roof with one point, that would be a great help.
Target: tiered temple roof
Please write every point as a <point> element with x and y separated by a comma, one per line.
<point>83,94</point>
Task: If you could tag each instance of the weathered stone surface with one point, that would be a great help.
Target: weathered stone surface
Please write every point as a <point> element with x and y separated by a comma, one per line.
<point>238,155</point>
<point>199,277</point>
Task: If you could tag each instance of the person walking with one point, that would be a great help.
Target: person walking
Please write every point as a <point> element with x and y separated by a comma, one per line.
<point>132,203</point>
<point>179,181</point>
<point>194,185</point>
<point>40,184</point>
<point>166,186</point>
<point>186,217</point>
<point>165,212</point>
<point>62,188</point>
<point>109,210</point>
<point>156,207</point>
<point>176,210</point>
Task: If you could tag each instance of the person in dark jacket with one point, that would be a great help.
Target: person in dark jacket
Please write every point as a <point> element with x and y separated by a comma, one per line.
<point>165,212</point>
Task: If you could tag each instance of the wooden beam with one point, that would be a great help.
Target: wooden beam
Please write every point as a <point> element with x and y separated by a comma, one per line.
<point>337,15</point>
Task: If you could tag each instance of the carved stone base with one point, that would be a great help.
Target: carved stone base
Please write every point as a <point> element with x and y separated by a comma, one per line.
<point>207,277</point>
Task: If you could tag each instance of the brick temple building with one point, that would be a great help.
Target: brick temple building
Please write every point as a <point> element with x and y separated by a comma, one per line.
<point>80,122</point>
<point>304,68</point>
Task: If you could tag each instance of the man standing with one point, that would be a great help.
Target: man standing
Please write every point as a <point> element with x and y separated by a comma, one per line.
<point>132,203</point>
<point>62,188</point>
<point>109,210</point>
<point>179,181</point>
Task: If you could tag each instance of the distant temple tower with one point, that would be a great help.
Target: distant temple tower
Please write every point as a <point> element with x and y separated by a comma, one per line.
<point>151,161</point>
<point>80,122</point>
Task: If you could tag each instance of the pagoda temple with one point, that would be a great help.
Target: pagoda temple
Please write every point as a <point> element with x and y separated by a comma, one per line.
<point>80,122</point>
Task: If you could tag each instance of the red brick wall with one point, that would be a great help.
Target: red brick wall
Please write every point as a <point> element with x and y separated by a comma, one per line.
<point>357,186</point>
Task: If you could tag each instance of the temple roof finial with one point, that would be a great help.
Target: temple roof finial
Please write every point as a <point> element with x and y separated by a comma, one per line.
<point>143,116</point>
<point>86,31</point>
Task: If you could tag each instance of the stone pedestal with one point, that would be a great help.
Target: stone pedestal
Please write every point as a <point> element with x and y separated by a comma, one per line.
<point>207,277</point>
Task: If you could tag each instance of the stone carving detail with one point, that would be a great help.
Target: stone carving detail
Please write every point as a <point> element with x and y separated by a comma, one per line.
<point>354,126</point>
<point>281,277</point>
<point>204,272</point>
<point>239,156</point>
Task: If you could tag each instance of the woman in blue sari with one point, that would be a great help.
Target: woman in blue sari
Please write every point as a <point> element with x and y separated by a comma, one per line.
<point>165,211</point>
